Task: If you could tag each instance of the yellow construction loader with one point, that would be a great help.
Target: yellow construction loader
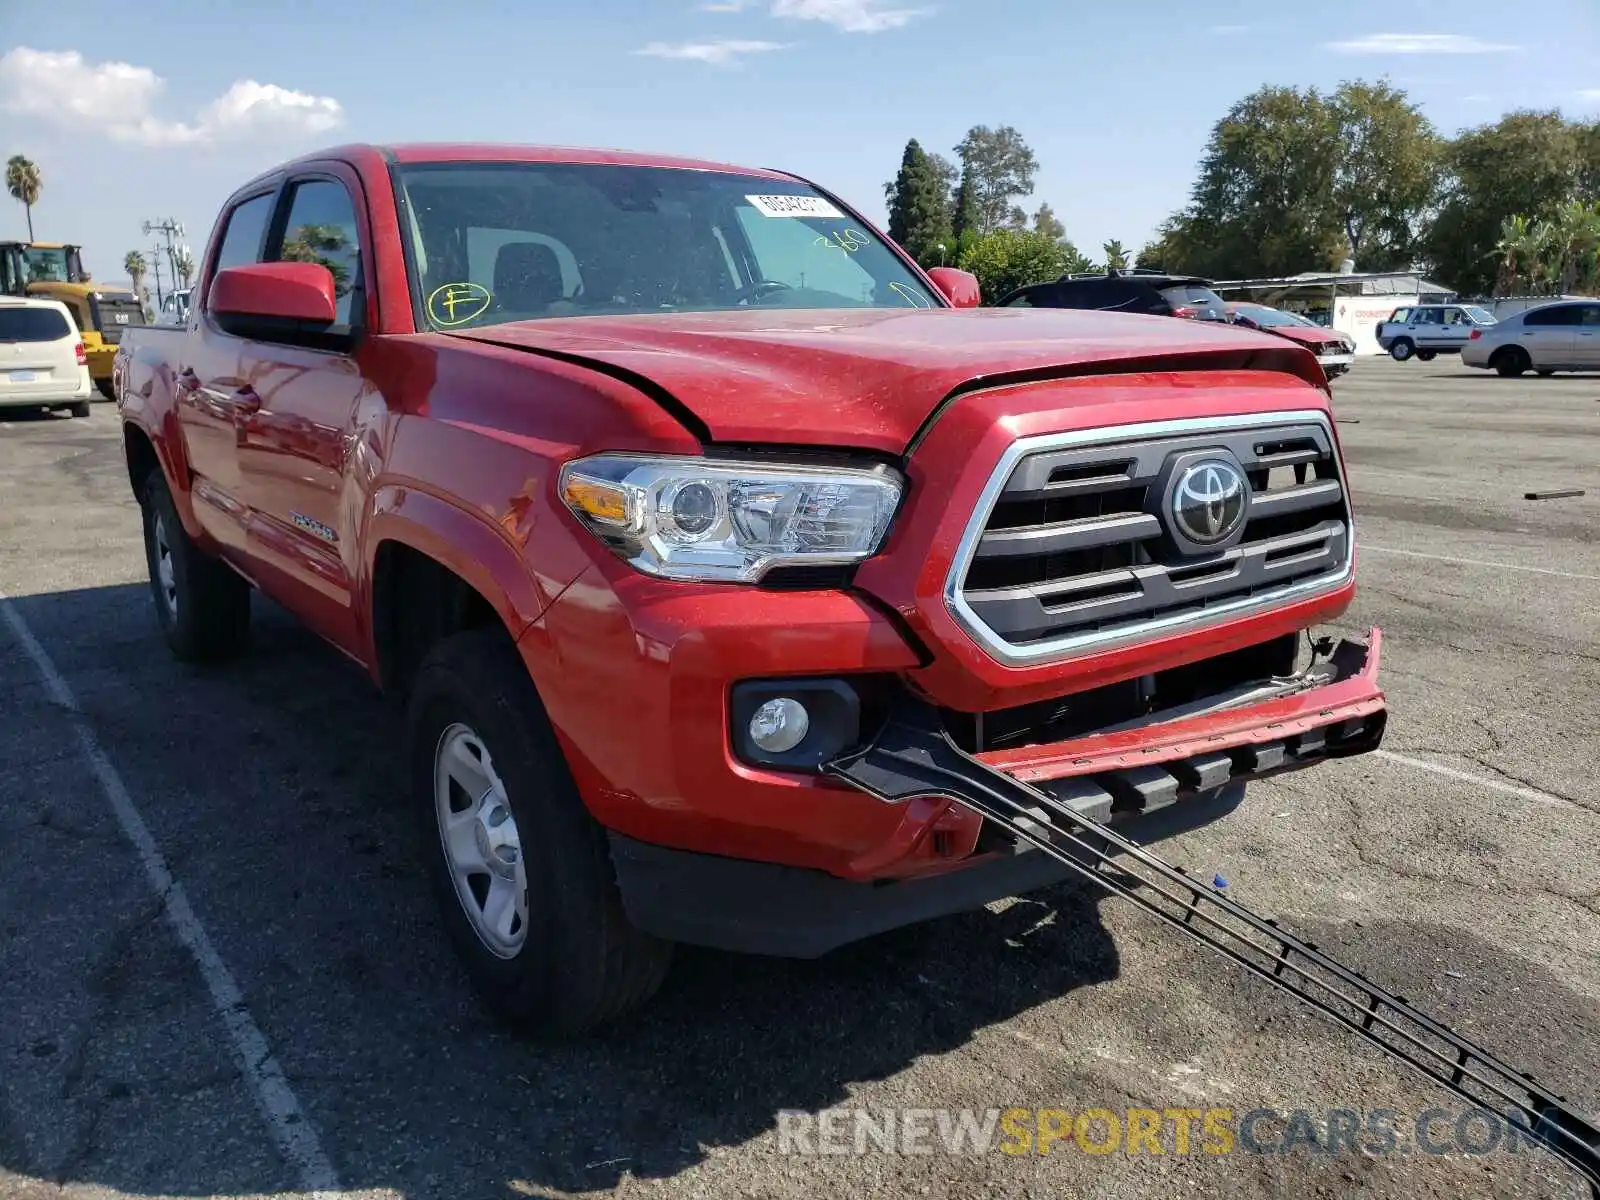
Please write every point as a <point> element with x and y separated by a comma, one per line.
<point>54,270</point>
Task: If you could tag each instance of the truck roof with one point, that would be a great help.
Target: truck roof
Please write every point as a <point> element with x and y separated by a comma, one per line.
<point>506,152</point>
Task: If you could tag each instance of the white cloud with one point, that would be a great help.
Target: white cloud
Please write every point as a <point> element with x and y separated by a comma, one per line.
<point>1419,43</point>
<point>719,53</point>
<point>119,100</point>
<point>850,16</point>
<point>1592,95</point>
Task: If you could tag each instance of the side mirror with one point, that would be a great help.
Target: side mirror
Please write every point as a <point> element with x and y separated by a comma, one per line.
<point>958,287</point>
<point>298,292</point>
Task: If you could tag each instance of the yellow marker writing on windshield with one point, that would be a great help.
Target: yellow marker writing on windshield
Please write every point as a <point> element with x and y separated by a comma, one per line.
<point>848,240</point>
<point>457,303</point>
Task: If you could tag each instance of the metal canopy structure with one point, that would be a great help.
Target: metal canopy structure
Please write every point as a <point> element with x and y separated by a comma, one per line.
<point>1355,302</point>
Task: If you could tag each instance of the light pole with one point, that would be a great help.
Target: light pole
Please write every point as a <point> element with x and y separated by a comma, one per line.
<point>169,228</point>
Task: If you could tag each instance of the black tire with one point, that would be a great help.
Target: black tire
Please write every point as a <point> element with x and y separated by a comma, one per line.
<point>1402,349</point>
<point>80,409</point>
<point>1511,362</point>
<point>580,963</point>
<point>1546,372</point>
<point>105,388</point>
<point>1426,355</point>
<point>205,616</point>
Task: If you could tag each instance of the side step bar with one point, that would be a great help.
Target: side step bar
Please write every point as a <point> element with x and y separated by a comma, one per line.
<point>913,756</point>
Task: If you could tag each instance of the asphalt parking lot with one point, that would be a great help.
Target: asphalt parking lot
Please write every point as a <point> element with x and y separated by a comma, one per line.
<point>1458,867</point>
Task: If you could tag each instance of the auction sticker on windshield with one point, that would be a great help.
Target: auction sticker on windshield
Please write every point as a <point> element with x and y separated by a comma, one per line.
<point>793,206</point>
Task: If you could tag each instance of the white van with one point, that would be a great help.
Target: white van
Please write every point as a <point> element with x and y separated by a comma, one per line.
<point>42,363</point>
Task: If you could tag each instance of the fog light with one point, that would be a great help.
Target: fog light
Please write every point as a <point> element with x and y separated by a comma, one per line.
<point>780,725</point>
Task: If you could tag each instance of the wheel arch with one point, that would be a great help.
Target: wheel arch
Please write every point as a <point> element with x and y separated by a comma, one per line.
<point>434,570</point>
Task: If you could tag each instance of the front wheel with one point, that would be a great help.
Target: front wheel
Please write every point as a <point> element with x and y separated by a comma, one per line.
<point>202,605</point>
<point>1402,350</point>
<point>522,873</point>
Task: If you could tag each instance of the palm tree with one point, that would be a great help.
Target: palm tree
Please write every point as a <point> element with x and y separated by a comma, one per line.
<point>315,244</point>
<point>24,182</point>
<point>1518,249</point>
<point>1116,256</point>
<point>184,262</point>
<point>133,263</point>
<point>1576,236</point>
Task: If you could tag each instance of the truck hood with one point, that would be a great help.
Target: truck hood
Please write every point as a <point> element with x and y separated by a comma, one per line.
<point>869,378</point>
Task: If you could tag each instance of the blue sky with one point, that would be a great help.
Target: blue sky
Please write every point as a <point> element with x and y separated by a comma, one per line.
<point>160,108</point>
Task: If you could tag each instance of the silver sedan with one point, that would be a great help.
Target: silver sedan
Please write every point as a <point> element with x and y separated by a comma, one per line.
<point>1564,336</point>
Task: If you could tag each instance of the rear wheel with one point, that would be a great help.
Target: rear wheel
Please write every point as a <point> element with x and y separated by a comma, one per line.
<point>522,873</point>
<point>80,409</point>
<point>105,388</point>
<point>1402,349</point>
<point>203,607</point>
<point>1511,361</point>
<point>1426,355</point>
<point>1546,372</point>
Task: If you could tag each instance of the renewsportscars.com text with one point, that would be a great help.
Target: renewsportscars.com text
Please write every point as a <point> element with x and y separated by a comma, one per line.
<point>1177,1131</point>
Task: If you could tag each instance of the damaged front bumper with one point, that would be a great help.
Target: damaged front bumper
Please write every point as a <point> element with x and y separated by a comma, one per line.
<point>1334,709</point>
<point>1173,770</point>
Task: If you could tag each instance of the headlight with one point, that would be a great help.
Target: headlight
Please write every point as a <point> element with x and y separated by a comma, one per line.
<point>730,522</point>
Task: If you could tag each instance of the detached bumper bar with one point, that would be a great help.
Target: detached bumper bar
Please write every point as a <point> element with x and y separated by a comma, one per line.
<point>913,757</point>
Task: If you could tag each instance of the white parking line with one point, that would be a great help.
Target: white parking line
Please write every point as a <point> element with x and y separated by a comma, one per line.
<point>1362,547</point>
<point>286,1121</point>
<point>1483,781</point>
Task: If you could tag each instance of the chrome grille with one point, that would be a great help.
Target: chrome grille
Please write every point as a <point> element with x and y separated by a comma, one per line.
<point>1071,547</point>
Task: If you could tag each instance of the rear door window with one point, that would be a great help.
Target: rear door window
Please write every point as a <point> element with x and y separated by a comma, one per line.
<point>1425,316</point>
<point>22,324</point>
<point>246,229</point>
<point>1561,314</point>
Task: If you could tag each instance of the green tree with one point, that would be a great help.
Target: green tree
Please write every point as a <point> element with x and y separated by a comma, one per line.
<point>1574,244</point>
<point>996,167</point>
<point>183,263</point>
<point>919,204</point>
<point>319,244</point>
<point>24,182</point>
<point>134,264</point>
<point>1527,164</point>
<point>1385,174</point>
<point>1006,259</point>
<point>1116,256</point>
<point>1515,249</point>
<point>1046,222</point>
<point>964,208</point>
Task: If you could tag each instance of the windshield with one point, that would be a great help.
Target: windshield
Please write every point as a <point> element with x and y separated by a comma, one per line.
<point>513,242</point>
<point>1272,318</point>
<point>1481,316</point>
<point>51,264</point>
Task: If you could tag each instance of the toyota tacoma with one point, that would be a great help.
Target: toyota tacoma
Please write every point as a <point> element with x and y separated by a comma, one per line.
<point>654,488</point>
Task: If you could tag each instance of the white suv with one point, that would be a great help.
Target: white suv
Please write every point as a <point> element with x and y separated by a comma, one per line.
<point>1424,330</point>
<point>42,363</point>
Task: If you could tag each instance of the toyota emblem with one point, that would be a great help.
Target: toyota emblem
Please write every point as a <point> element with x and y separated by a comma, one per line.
<point>1209,500</point>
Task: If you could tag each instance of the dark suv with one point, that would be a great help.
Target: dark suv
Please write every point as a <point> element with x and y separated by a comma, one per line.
<point>1129,291</point>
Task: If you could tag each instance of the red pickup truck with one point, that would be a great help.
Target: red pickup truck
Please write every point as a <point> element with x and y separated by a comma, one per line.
<point>657,488</point>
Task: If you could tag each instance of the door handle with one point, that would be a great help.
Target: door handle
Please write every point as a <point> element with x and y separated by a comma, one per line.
<point>245,402</point>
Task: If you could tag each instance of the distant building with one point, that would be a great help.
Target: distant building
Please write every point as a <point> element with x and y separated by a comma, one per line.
<point>1351,303</point>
